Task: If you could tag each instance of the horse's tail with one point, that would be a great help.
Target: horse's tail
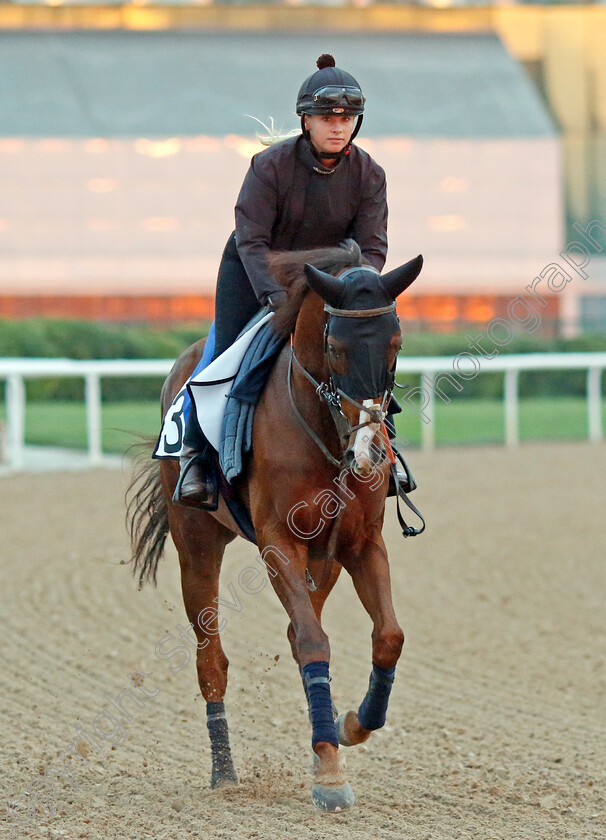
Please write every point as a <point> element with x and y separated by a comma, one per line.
<point>146,514</point>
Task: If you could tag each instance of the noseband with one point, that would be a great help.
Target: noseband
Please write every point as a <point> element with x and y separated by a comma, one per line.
<point>333,395</point>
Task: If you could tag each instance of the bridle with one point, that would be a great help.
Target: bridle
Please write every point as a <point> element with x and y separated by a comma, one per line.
<point>333,396</point>
<point>330,393</point>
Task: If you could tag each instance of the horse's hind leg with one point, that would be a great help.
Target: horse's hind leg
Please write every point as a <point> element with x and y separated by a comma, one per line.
<point>200,542</point>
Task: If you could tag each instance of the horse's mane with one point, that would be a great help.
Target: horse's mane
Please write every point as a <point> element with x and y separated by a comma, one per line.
<point>287,268</point>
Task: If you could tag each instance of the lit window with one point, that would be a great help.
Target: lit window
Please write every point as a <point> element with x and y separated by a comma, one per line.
<point>440,308</point>
<point>102,185</point>
<point>479,309</point>
<point>11,145</point>
<point>53,145</point>
<point>245,148</point>
<point>446,223</point>
<point>160,223</point>
<point>452,184</point>
<point>158,148</point>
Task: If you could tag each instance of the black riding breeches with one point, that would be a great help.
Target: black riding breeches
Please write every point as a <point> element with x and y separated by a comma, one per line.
<point>235,305</point>
<point>235,302</point>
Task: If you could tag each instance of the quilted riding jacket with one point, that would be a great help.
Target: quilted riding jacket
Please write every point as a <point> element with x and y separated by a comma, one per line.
<point>289,201</point>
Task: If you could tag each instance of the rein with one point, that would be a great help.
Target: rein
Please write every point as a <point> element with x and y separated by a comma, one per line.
<point>307,428</point>
<point>332,396</point>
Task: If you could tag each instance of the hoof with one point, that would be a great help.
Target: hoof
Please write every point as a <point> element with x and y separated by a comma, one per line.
<point>333,798</point>
<point>342,736</point>
<point>224,779</point>
<point>219,784</point>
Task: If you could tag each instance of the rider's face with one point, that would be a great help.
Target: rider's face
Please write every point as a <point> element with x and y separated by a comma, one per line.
<point>329,134</point>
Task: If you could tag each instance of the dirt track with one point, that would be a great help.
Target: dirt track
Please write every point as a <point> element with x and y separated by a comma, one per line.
<point>497,725</point>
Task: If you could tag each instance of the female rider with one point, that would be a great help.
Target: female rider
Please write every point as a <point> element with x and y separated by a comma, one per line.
<point>309,191</point>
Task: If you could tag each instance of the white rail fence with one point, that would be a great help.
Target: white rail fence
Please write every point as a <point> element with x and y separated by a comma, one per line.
<point>16,371</point>
<point>431,367</point>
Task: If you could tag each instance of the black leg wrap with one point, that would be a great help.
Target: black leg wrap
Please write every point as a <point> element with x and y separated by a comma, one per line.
<point>373,709</point>
<point>335,711</point>
<point>222,765</point>
<point>317,688</point>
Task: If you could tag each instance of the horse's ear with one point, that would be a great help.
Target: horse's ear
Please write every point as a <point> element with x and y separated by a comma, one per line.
<point>394,282</point>
<point>328,287</point>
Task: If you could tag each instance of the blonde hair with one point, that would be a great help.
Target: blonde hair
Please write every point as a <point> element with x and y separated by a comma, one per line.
<point>272,134</point>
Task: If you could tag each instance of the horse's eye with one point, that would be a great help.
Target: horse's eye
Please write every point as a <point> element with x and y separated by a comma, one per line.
<point>337,359</point>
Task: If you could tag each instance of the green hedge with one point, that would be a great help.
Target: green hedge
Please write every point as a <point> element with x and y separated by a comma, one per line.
<point>91,340</point>
<point>490,385</point>
<point>50,338</point>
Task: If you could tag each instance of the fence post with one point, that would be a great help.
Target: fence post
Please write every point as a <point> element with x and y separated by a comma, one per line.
<point>92,395</point>
<point>594,404</point>
<point>428,431</point>
<point>512,423</point>
<point>15,412</point>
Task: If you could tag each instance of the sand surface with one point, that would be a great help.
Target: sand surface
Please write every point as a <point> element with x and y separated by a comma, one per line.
<point>496,729</point>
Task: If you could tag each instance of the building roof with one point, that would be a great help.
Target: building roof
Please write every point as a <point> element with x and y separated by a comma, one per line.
<point>167,83</point>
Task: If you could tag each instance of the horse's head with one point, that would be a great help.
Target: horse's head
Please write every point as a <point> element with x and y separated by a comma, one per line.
<point>361,344</point>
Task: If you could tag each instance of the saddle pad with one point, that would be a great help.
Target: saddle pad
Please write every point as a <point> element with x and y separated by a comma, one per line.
<point>236,433</point>
<point>209,387</point>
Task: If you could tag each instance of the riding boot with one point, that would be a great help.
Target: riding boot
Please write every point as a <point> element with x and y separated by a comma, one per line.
<point>197,484</point>
<point>400,477</point>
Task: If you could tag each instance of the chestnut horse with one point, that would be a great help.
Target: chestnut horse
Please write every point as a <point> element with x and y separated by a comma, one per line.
<point>315,485</point>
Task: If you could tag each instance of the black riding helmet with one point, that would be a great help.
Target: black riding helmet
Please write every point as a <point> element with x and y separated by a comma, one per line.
<point>330,91</point>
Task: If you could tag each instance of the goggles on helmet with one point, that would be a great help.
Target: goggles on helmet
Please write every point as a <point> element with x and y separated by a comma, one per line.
<point>334,96</point>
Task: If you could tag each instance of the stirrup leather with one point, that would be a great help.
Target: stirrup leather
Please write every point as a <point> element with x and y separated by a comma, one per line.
<point>402,488</point>
<point>408,484</point>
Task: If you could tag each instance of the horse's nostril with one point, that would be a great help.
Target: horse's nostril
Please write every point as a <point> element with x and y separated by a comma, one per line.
<point>348,457</point>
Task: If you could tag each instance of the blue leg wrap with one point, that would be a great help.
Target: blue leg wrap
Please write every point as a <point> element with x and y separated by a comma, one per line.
<point>373,709</point>
<point>317,688</point>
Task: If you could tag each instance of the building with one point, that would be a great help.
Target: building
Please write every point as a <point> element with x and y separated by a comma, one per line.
<point>122,152</point>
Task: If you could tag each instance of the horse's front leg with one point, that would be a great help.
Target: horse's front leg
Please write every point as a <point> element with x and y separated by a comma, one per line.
<point>287,562</point>
<point>371,578</point>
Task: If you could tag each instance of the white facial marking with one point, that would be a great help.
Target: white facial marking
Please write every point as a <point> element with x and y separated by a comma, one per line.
<point>363,459</point>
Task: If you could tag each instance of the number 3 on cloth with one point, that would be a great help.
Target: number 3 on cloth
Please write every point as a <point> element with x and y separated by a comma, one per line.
<point>173,428</point>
